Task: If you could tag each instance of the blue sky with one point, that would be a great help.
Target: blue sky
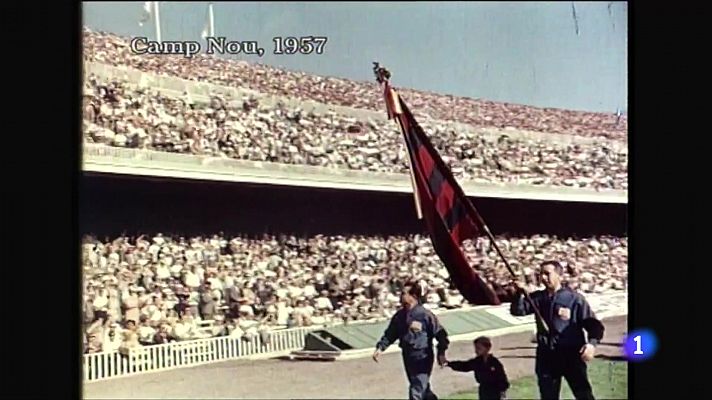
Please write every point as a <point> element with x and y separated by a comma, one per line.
<point>528,53</point>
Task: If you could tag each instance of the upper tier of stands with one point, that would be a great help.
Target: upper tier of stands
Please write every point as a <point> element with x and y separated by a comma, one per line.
<point>120,113</point>
<point>114,50</point>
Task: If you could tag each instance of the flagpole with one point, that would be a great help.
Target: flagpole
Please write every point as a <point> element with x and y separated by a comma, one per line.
<point>506,263</point>
<point>382,80</point>
<point>211,20</point>
<point>157,21</point>
<point>416,194</point>
<point>382,76</point>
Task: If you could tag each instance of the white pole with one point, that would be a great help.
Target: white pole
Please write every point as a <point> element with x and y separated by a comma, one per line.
<point>416,194</point>
<point>157,21</point>
<point>211,19</point>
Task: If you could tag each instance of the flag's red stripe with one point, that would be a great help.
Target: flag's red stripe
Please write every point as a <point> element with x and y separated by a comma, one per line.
<point>465,229</point>
<point>444,202</point>
<point>426,160</point>
<point>406,123</point>
<point>440,212</point>
<point>456,232</point>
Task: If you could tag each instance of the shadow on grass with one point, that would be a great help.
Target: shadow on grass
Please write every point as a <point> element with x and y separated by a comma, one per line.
<point>516,357</point>
<point>608,378</point>
<point>610,358</point>
<point>614,344</point>
<point>601,357</point>
<point>519,348</point>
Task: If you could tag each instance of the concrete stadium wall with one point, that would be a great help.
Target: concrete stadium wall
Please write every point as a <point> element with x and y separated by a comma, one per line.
<point>111,204</point>
<point>105,159</point>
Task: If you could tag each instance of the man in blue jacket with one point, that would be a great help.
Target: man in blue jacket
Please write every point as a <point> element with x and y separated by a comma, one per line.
<point>415,327</point>
<point>563,351</point>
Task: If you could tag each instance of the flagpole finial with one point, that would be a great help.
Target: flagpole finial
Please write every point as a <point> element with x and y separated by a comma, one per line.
<point>381,73</point>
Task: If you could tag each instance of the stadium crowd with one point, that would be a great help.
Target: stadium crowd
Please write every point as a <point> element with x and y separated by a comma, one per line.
<point>151,290</point>
<point>118,114</point>
<point>110,49</point>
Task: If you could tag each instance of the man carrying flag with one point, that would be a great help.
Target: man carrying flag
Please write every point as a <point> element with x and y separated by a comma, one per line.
<point>450,219</point>
<point>564,350</point>
<point>448,213</point>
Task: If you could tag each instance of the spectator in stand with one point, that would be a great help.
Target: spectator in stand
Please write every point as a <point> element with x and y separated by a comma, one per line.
<point>95,336</point>
<point>101,305</point>
<point>232,297</point>
<point>130,339</point>
<point>94,344</point>
<point>249,327</point>
<point>191,279</point>
<point>323,302</point>
<point>303,313</point>
<point>183,329</point>
<point>454,299</point>
<point>163,335</point>
<point>432,300</point>
<point>112,338</point>
<point>219,328</point>
<point>193,304</point>
<point>182,305</point>
<point>207,303</point>
<point>284,310</point>
<point>145,331</point>
<point>131,304</point>
<point>114,300</point>
<point>264,332</point>
<point>88,308</point>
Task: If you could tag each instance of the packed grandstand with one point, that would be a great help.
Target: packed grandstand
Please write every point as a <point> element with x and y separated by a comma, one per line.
<point>243,287</point>
<point>159,288</point>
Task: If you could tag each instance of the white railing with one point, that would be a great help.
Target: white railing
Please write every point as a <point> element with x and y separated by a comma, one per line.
<point>98,366</point>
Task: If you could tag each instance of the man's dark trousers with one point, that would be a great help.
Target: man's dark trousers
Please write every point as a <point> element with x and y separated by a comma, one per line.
<point>552,365</point>
<point>418,370</point>
<point>488,394</point>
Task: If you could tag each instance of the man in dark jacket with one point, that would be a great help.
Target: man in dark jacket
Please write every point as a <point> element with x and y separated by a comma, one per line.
<point>207,303</point>
<point>232,298</point>
<point>415,327</point>
<point>562,351</point>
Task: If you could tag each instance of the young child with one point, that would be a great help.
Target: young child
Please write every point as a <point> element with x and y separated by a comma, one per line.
<point>489,372</point>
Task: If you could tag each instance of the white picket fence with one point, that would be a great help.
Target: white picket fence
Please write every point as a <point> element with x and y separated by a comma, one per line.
<point>98,366</point>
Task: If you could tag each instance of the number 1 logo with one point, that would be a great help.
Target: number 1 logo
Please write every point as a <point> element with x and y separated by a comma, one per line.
<point>640,345</point>
<point>637,348</point>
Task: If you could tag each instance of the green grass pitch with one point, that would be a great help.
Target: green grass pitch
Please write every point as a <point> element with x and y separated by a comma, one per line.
<point>608,378</point>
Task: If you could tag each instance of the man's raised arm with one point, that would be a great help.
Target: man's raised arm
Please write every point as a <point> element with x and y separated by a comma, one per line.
<point>520,306</point>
